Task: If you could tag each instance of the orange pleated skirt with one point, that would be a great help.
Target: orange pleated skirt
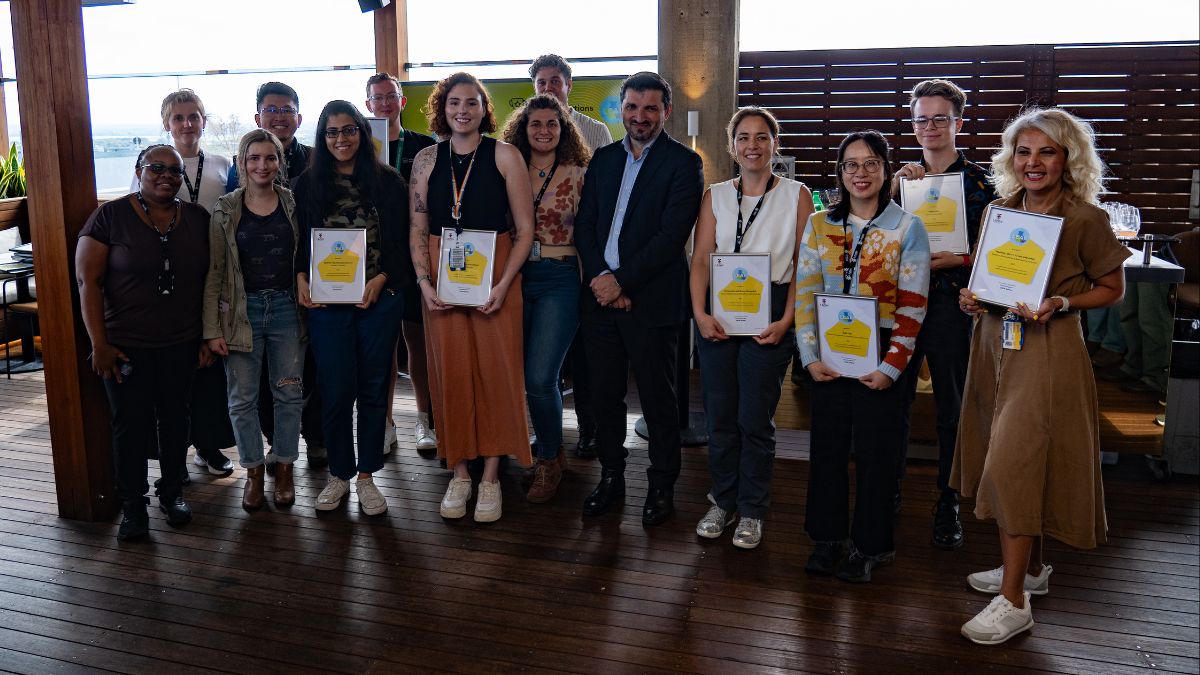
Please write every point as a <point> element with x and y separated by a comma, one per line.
<point>477,373</point>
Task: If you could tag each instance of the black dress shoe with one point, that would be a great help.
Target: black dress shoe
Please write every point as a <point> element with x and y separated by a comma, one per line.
<point>825,558</point>
<point>947,531</point>
<point>586,447</point>
<point>135,523</point>
<point>610,490</point>
<point>660,504</point>
<point>857,566</point>
<point>177,510</point>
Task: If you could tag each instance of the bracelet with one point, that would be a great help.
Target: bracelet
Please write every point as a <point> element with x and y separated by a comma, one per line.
<point>424,277</point>
<point>1066,303</point>
<point>966,260</point>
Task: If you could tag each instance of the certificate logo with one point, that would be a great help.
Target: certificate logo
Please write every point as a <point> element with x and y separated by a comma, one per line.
<point>846,316</point>
<point>934,194</point>
<point>468,248</point>
<point>339,247</point>
<point>1019,236</point>
<point>740,274</point>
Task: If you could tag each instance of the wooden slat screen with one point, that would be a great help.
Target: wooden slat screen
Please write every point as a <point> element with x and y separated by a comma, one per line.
<point>1144,100</point>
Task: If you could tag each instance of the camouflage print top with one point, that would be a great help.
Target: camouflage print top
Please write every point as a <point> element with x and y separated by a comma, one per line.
<point>350,212</point>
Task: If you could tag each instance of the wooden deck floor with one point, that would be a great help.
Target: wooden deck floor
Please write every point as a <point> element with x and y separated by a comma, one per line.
<point>544,590</point>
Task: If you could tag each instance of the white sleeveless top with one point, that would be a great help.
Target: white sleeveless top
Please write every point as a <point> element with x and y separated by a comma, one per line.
<point>773,231</point>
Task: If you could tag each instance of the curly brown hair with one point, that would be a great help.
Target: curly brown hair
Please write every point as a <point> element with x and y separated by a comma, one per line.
<point>435,107</point>
<point>571,148</point>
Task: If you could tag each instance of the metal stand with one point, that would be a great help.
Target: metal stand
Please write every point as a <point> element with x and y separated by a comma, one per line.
<point>693,426</point>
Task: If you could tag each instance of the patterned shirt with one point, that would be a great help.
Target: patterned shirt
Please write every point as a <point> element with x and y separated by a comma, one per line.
<point>555,217</point>
<point>350,212</point>
<point>265,245</point>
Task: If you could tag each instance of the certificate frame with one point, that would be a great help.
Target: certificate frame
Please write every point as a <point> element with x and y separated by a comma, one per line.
<point>834,310</point>
<point>379,136</point>
<point>473,286</point>
<point>915,194</point>
<point>1005,271</point>
<point>329,265</point>
<point>733,280</point>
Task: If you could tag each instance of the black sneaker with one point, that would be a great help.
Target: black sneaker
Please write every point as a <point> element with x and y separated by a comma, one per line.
<point>177,510</point>
<point>135,522</point>
<point>825,558</point>
<point>857,566</point>
<point>947,530</point>
<point>214,461</point>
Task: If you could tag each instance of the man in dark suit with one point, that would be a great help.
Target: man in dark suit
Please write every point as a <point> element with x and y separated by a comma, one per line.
<point>639,204</point>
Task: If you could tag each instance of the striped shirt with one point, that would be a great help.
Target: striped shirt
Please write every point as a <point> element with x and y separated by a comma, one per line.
<point>595,133</point>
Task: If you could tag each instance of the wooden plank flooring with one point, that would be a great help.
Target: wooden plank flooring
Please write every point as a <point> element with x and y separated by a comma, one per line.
<point>545,590</point>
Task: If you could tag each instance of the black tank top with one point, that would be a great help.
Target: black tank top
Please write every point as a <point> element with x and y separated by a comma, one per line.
<point>485,201</point>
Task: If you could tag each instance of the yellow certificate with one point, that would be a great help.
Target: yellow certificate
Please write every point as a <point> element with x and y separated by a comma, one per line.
<point>848,333</point>
<point>337,272</point>
<point>939,200</point>
<point>740,284</point>
<point>466,262</point>
<point>1016,253</point>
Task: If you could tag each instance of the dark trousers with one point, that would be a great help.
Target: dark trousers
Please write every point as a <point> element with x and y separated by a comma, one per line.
<point>150,408</point>
<point>616,342</point>
<point>211,429</point>
<point>846,416</point>
<point>581,382</point>
<point>310,421</point>
<point>944,341</point>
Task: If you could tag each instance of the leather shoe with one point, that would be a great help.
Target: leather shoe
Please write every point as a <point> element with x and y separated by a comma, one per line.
<point>947,531</point>
<point>135,523</point>
<point>285,486</point>
<point>659,506</point>
<point>586,447</point>
<point>252,493</point>
<point>610,491</point>
<point>177,510</point>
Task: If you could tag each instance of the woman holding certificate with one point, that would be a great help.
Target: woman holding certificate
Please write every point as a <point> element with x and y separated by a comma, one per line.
<point>862,276</point>
<point>472,227</point>
<point>745,255</point>
<point>557,157</point>
<point>351,267</point>
<point>1028,443</point>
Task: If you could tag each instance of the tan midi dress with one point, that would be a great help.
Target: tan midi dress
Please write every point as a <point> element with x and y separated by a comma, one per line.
<point>1028,445</point>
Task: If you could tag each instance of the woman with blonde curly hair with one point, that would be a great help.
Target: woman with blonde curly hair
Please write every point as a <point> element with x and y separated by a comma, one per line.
<point>1028,441</point>
<point>553,148</point>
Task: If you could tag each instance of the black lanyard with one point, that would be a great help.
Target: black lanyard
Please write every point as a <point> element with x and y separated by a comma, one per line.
<point>741,233</point>
<point>537,201</point>
<point>166,278</point>
<point>850,262</point>
<point>194,193</point>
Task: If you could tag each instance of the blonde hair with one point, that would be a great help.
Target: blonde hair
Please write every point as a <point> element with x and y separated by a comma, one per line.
<point>184,95</point>
<point>1083,173</point>
<point>256,136</point>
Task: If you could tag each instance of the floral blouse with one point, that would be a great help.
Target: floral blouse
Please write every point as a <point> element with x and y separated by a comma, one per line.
<point>554,221</point>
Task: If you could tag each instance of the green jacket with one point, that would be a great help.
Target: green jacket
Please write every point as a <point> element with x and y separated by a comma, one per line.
<point>224,288</point>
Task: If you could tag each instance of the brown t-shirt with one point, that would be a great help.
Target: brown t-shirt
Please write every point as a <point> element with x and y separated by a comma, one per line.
<point>135,313</point>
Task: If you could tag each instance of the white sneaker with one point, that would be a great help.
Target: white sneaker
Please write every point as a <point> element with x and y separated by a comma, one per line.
<point>426,437</point>
<point>748,533</point>
<point>458,493</point>
<point>332,495</point>
<point>714,522</point>
<point>998,622</point>
<point>389,439</point>
<point>989,581</point>
<point>487,507</point>
<point>370,499</point>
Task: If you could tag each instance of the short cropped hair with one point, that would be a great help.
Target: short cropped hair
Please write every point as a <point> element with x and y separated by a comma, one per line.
<point>275,89</point>
<point>943,88</point>
<point>435,107</point>
<point>383,76</point>
<point>750,111</point>
<point>550,61</point>
<point>1083,174</point>
<point>182,96</point>
<point>645,81</point>
<point>256,136</point>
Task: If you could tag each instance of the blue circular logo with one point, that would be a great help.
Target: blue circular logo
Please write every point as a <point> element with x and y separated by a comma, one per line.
<point>1019,236</point>
<point>846,316</point>
<point>610,110</point>
<point>934,194</point>
<point>469,248</point>
<point>339,247</point>
<point>740,274</point>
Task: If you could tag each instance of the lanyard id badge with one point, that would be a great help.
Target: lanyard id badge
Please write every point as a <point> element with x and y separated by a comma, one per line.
<point>1012,333</point>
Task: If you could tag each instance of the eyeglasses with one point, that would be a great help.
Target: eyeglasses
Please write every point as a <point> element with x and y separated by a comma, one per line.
<point>350,131</point>
<point>275,110</point>
<point>871,165</point>
<point>158,168</point>
<point>390,98</point>
<point>939,121</point>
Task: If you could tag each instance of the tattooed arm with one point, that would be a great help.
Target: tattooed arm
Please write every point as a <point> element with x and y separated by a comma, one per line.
<point>419,225</point>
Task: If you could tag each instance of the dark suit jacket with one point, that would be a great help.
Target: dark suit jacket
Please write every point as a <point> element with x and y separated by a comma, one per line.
<point>659,219</point>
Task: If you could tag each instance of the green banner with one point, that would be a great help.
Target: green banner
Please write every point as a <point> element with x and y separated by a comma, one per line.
<point>596,97</point>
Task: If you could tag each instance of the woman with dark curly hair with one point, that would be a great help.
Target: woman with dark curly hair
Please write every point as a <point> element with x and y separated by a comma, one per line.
<point>557,157</point>
<point>470,181</point>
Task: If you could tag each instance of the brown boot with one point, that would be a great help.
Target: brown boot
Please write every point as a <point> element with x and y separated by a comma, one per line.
<point>546,476</point>
<point>252,495</point>
<point>285,488</point>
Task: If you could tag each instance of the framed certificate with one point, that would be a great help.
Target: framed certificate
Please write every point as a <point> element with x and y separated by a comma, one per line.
<point>939,200</point>
<point>848,333</point>
<point>465,265</point>
<point>740,291</point>
<point>1014,256</point>
<point>379,137</point>
<point>338,265</point>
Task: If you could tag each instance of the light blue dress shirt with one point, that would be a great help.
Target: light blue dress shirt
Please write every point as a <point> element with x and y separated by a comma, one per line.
<point>612,256</point>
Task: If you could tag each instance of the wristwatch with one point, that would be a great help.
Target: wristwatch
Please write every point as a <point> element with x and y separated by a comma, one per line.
<point>1066,304</point>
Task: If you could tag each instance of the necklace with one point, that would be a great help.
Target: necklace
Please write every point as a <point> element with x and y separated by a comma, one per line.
<point>1025,208</point>
<point>542,169</point>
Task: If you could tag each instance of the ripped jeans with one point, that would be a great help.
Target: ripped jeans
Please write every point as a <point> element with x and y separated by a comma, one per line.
<point>276,338</point>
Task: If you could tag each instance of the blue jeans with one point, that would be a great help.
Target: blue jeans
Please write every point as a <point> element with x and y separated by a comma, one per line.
<point>551,292</point>
<point>276,337</point>
<point>1104,326</point>
<point>354,349</point>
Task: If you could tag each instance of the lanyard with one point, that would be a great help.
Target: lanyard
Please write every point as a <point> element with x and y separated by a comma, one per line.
<point>400,152</point>
<point>194,193</point>
<point>741,233</point>
<point>850,262</point>
<point>166,278</point>
<point>456,208</point>
<point>537,201</point>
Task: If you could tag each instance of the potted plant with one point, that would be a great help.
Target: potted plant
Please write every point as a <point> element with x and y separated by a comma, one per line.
<point>12,189</point>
